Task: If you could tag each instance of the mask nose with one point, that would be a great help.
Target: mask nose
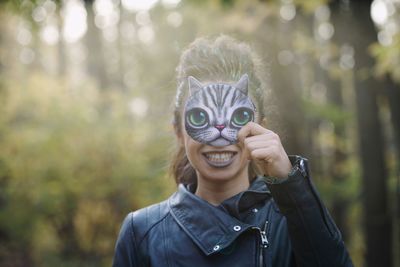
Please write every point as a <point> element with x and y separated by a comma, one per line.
<point>220,127</point>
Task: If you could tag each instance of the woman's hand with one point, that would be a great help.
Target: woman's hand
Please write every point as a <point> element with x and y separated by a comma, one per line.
<point>265,148</point>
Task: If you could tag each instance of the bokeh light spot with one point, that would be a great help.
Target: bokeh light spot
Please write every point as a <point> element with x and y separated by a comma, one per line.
<point>379,12</point>
<point>138,5</point>
<point>146,34</point>
<point>75,25</point>
<point>24,36</point>
<point>138,107</point>
<point>287,12</point>
<point>49,34</point>
<point>326,30</point>
<point>174,19</point>
<point>39,14</point>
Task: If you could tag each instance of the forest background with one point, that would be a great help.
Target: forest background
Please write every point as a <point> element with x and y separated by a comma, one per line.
<point>86,95</point>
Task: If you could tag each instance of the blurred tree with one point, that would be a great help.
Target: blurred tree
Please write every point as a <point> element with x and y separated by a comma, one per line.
<point>356,16</point>
<point>94,44</point>
<point>340,175</point>
<point>392,92</point>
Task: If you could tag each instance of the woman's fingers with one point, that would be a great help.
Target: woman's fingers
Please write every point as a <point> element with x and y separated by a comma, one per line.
<point>272,137</point>
<point>265,147</point>
<point>251,129</point>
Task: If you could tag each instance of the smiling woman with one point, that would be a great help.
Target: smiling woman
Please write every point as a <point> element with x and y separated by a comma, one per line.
<point>242,201</point>
<point>225,64</point>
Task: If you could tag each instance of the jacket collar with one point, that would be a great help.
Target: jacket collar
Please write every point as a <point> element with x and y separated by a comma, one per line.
<point>214,228</point>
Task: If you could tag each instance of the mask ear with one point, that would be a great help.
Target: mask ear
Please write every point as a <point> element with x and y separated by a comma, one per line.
<point>243,84</point>
<point>194,85</point>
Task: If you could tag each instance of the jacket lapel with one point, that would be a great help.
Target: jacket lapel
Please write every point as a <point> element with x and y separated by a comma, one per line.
<point>214,228</point>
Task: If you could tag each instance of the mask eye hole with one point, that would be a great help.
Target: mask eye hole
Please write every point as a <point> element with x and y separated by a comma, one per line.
<point>242,116</point>
<point>197,118</point>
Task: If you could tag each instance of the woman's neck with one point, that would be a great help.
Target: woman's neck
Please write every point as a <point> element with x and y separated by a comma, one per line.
<point>216,192</point>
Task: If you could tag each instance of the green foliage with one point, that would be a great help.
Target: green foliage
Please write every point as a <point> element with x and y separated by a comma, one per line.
<point>71,169</point>
<point>329,112</point>
<point>309,6</point>
<point>387,58</point>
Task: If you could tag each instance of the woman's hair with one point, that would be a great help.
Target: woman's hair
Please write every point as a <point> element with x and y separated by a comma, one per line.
<point>221,59</point>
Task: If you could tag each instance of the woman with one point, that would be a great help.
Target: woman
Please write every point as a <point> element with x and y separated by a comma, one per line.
<point>241,201</point>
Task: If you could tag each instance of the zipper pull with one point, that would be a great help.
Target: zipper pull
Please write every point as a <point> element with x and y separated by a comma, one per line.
<point>264,239</point>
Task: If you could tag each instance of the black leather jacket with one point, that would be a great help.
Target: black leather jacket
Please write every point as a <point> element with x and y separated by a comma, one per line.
<point>275,225</point>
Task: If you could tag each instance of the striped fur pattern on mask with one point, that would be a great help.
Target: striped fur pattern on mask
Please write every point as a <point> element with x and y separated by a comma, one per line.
<point>214,113</point>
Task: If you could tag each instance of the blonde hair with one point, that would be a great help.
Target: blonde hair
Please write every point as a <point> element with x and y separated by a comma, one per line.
<point>219,59</point>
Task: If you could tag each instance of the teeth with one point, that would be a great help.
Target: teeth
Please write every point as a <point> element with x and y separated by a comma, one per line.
<point>219,156</point>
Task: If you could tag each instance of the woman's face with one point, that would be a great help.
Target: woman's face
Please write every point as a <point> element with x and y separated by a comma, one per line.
<point>215,164</point>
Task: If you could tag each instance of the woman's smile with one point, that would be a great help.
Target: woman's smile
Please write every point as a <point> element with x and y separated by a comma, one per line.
<point>215,163</point>
<point>219,159</point>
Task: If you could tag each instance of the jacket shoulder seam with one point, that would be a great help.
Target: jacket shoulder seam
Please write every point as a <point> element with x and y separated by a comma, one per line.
<point>142,216</point>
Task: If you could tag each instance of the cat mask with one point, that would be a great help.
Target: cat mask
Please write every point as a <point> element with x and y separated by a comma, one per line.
<point>215,113</point>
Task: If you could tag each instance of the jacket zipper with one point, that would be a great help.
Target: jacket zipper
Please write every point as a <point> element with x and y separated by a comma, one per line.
<point>263,244</point>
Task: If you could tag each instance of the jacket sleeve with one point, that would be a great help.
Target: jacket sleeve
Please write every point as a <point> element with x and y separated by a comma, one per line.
<point>125,249</point>
<point>316,241</point>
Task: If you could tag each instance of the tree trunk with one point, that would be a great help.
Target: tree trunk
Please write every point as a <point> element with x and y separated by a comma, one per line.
<point>96,62</point>
<point>376,211</point>
<point>340,202</point>
<point>392,92</point>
